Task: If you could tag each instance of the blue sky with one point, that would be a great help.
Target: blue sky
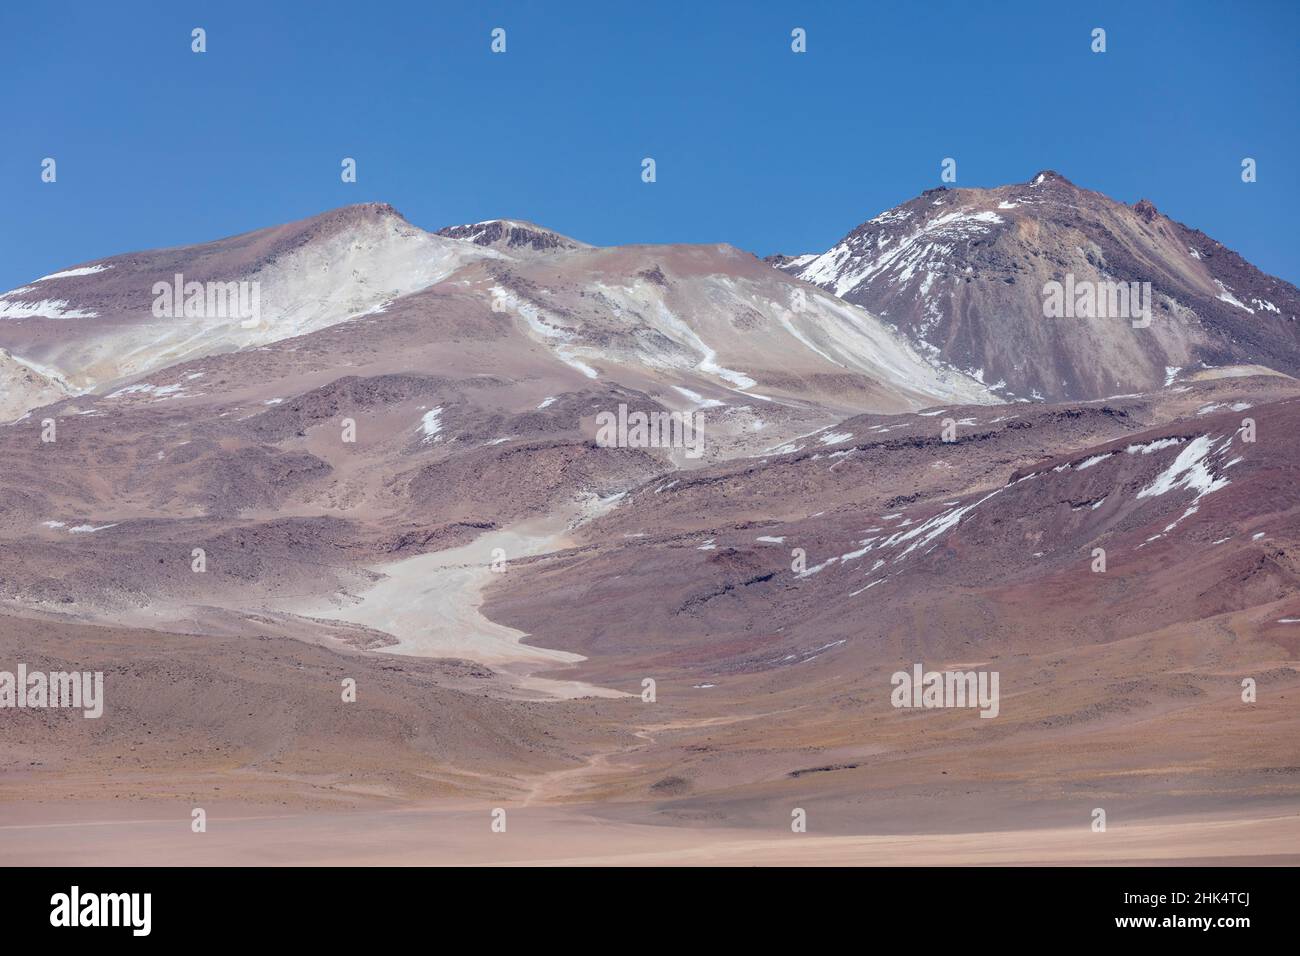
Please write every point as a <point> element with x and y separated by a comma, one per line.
<point>755,145</point>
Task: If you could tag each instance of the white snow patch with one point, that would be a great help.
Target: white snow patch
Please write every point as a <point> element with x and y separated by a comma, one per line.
<point>158,391</point>
<point>1225,295</point>
<point>817,567</point>
<point>867,588</point>
<point>46,308</point>
<point>697,399</point>
<point>1153,446</point>
<point>1235,406</point>
<point>1189,470</point>
<point>431,424</point>
<point>1089,462</point>
<point>70,273</point>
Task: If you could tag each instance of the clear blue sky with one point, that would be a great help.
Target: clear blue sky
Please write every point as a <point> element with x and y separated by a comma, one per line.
<point>756,146</point>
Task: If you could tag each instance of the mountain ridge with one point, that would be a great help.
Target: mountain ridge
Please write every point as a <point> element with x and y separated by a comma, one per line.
<point>913,265</point>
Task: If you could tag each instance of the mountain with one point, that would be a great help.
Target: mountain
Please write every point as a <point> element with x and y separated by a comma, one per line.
<point>962,273</point>
<point>95,324</point>
<point>395,477</point>
<point>704,320</point>
<point>455,356</point>
<point>711,320</point>
<point>514,236</point>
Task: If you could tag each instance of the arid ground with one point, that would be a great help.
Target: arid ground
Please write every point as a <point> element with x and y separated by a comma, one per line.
<point>567,651</point>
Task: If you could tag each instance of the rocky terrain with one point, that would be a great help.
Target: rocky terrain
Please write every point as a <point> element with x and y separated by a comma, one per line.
<point>396,476</point>
<point>961,272</point>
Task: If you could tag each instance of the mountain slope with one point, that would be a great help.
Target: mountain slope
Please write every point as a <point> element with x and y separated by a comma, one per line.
<point>513,236</point>
<point>417,476</point>
<point>962,273</point>
<point>23,386</point>
<point>711,319</point>
<point>96,324</point>
<point>689,318</point>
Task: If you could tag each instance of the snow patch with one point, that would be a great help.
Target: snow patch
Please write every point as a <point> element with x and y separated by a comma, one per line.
<point>1153,446</point>
<point>1225,295</point>
<point>70,273</point>
<point>1089,462</point>
<point>431,424</point>
<point>158,391</point>
<point>46,308</point>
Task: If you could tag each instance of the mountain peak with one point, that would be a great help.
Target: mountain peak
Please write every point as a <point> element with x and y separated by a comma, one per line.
<point>357,213</point>
<point>370,209</point>
<point>1048,175</point>
<point>513,235</point>
<point>963,273</point>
